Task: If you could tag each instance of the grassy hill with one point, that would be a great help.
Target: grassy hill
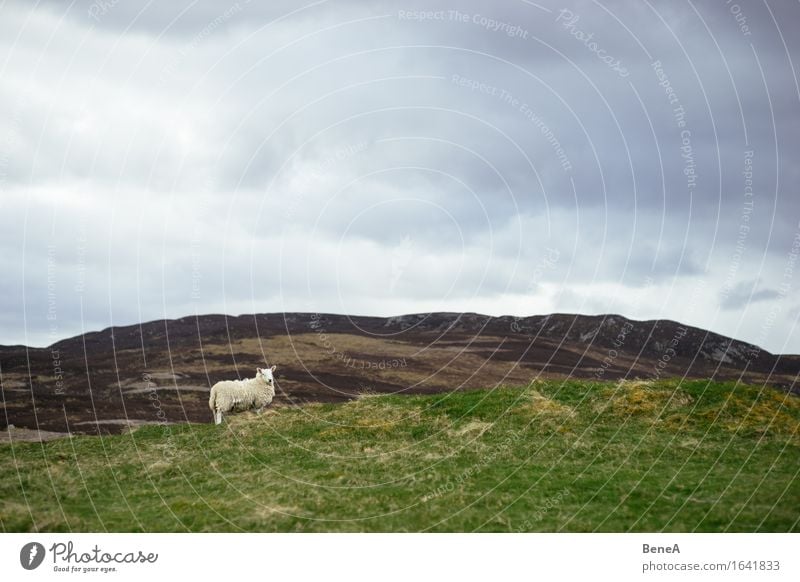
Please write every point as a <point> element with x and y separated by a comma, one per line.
<point>552,456</point>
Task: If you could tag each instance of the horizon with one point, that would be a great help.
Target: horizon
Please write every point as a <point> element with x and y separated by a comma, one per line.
<point>159,160</point>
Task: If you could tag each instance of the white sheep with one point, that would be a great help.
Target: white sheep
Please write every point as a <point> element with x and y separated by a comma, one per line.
<point>238,395</point>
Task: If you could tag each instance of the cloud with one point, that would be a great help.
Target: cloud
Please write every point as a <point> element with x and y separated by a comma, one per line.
<point>745,294</point>
<point>196,157</point>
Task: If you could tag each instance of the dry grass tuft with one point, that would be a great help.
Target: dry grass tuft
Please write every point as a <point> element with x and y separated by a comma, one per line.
<point>539,405</point>
<point>369,415</point>
<point>473,429</point>
<point>643,398</point>
<point>770,414</point>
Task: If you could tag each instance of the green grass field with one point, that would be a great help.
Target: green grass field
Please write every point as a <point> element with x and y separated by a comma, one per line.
<point>553,456</point>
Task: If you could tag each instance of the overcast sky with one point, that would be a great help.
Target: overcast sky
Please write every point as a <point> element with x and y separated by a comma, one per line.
<point>162,159</point>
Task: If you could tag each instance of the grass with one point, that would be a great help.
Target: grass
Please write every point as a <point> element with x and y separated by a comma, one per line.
<point>552,456</point>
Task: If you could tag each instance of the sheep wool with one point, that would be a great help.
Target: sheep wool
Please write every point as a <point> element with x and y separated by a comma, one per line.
<point>239,395</point>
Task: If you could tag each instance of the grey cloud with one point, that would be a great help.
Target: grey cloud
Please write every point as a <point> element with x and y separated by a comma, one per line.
<point>744,294</point>
<point>191,117</point>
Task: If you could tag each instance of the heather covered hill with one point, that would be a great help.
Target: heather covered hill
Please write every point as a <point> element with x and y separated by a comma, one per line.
<point>105,381</point>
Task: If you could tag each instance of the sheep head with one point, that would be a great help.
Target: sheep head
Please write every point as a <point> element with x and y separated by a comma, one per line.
<point>266,374</point>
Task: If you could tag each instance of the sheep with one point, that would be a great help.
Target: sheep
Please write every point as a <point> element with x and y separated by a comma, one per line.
<point>238,395</point>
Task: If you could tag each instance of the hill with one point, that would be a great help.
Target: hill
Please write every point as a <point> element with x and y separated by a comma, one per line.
<point>107,381</point>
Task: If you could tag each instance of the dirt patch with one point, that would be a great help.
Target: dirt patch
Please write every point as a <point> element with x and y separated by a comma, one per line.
<point>15,385</point>
<point>14,434</point>
<point>129,422</point>
<point>165,375</point>
<point>168,388</point>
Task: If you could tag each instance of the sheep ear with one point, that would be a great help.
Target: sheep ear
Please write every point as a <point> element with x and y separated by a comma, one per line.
<point>258,370</point>
<point>273,368</point>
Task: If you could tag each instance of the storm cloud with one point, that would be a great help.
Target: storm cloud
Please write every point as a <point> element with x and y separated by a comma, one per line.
<point>166,159</point>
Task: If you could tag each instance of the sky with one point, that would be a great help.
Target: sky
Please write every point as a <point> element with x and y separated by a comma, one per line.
<point>161,160</point>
